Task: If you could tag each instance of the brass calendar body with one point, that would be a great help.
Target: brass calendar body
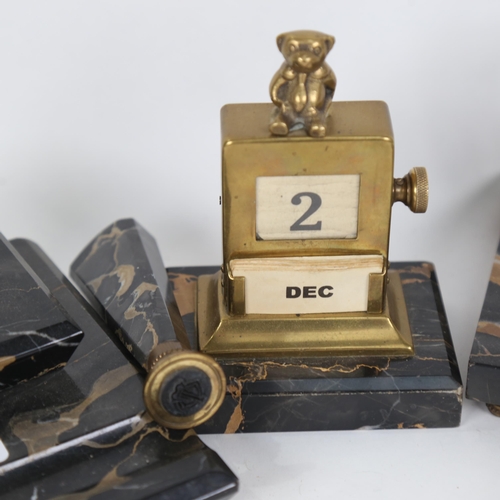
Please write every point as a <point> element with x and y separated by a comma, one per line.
<point>306,224</point>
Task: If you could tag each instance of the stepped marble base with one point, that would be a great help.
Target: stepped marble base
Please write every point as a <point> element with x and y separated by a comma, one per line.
<point>330,393</point>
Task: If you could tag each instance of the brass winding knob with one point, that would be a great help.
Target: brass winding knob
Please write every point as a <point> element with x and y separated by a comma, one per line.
<point>413,190</point>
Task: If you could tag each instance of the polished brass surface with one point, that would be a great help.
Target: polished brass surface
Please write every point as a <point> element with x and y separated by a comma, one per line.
<point>413,190</point>
<point>171,364</point>
<point>161,351</point>
<point>224,335</point>
<point>375,298</point>
<point>302,89</point>
<point>236,292</point>
<point>358,140</point>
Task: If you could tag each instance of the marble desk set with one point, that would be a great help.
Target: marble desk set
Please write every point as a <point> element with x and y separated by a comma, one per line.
<point>306,325</point>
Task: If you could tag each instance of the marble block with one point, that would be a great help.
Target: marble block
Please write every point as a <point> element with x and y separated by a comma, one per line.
<point>36,335</point>
<point>329,393</point>
<point>122,274</point>
<point>483,378</point>
<point>83,432</point>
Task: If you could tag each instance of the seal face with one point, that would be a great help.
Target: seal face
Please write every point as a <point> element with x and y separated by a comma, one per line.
<point>185,393</point>
<point>184,389</point>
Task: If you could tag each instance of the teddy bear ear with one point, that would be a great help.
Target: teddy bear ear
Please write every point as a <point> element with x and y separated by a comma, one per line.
<point>279,40</point>
<point>329,41</point>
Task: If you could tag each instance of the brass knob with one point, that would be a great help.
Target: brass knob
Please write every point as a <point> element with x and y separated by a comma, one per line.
<point>413,190</point>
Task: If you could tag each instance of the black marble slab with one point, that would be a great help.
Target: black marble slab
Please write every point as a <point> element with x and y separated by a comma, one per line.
<point>298,394</point>
<point>122,273</point>
<point>483,378</point>
<point>82,431</point>
<point>36,335</point>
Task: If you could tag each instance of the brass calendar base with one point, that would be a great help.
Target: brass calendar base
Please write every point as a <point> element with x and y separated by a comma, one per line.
<point>264,335</point>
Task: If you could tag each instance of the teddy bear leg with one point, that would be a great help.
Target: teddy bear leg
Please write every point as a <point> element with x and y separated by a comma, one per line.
<point>316,126</point>
<point>317,130</point>
<point>278,124</point>
<point>278,127</point>
<point>315,123</point>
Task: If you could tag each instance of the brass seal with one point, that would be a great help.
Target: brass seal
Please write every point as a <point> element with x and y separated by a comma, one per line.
<point>184,389</point>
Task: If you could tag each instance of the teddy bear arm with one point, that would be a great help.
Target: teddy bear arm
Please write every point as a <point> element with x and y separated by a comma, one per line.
<point>330,82</point>
<point>276,83</point>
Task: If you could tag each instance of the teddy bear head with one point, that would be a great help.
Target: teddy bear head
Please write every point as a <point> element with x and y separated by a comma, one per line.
<point>305,51</point>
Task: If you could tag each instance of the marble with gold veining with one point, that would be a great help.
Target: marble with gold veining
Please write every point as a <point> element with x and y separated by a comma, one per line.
<point>82,431</point>
<point>36,335</point>
<point>483,378</point>
<point>329,393</point>
<point>121,271</point>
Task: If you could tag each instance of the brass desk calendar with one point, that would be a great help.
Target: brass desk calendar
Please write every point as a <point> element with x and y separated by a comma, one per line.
<point>312,327</point>
<point>307,190</point>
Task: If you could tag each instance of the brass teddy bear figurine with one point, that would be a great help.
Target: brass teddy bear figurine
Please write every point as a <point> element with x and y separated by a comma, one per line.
<point>302,89</point>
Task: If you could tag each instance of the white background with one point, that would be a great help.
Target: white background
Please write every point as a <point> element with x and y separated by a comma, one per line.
<point>110,109</point>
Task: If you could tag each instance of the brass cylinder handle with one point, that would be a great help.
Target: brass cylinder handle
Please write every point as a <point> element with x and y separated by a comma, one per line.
<point>412,190</point>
